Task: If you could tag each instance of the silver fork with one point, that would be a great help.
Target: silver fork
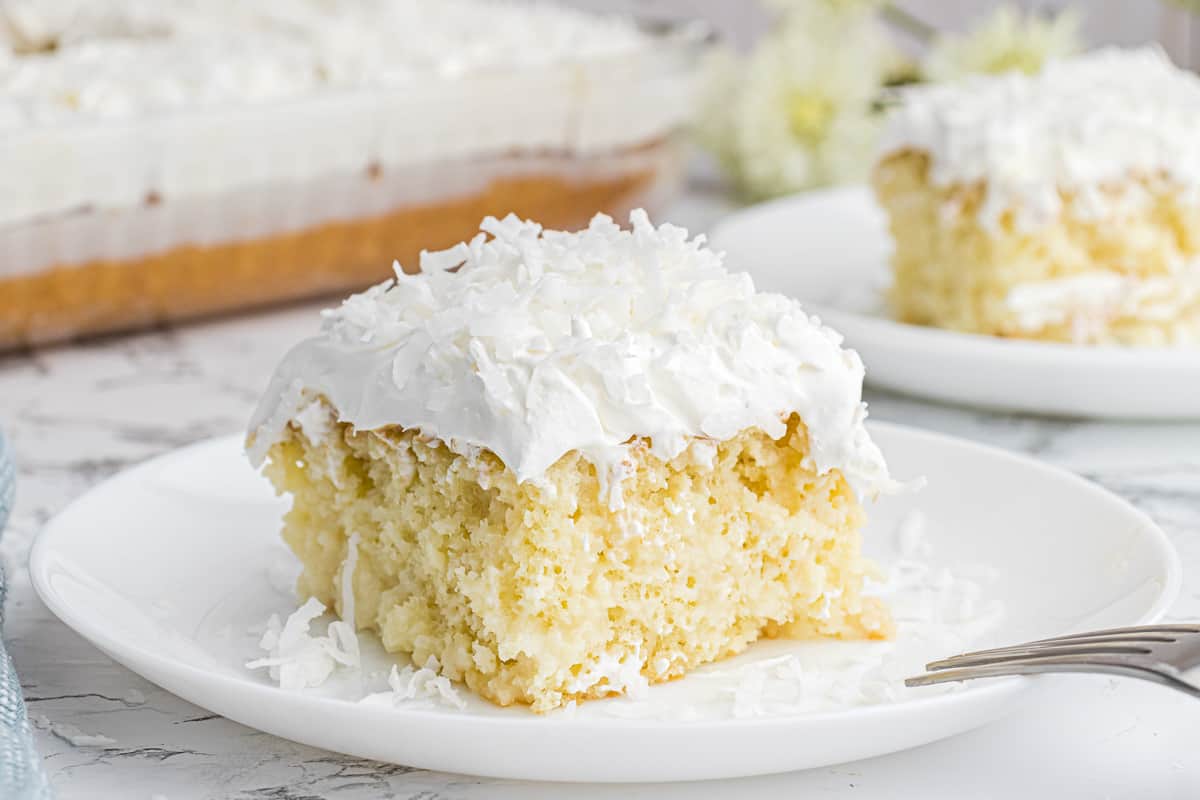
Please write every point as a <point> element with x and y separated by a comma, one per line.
<point>1157,653</point>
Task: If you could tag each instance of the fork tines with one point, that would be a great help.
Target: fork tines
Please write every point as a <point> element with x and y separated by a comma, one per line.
<point>1141,630</point>
<point>1151,652</point>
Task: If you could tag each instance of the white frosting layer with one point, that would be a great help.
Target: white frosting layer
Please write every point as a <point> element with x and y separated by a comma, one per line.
<point>546,342</point>
<point>67,59</point>
<point>1083,126</point>
<point>102,104</point>
<point>280,207</point>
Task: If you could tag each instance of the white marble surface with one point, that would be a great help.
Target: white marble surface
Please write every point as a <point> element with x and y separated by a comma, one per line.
<point>77,415</point>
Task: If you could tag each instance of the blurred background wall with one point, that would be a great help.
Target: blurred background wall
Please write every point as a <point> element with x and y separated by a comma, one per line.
<point>1105,21</point>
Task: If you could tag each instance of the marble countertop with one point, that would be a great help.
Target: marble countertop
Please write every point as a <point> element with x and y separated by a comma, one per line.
<point>77,415</point>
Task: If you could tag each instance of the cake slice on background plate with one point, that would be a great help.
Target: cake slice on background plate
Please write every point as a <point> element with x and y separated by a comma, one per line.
<point>572,464</point>
<point>1063,206</point>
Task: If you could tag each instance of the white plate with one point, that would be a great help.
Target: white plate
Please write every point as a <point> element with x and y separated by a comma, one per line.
<point>165,568</point>
<point>830,249</point>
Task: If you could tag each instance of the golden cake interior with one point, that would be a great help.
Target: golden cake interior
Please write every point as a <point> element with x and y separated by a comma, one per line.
<point>952,272</point>
<point>539,592</point>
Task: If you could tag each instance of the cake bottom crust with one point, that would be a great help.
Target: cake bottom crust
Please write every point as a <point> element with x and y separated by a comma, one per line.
<point>101,296</point>
<point>545,594</point>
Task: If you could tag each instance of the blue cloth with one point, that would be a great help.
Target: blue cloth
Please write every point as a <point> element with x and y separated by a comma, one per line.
<point>21,775</point>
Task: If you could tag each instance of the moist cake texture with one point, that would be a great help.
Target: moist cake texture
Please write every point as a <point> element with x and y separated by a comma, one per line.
<point>1063,206</point>
<point>576,464</point>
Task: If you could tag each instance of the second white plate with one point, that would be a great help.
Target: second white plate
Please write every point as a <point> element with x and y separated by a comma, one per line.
<point>168,569</point>
<point>830,250</point>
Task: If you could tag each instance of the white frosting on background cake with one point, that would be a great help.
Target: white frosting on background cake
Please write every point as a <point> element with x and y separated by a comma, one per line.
<point>119,58</point>
<point>271,208</point>
<point>1084,125</point>
<point>105,104</point>
<point>544,342</point>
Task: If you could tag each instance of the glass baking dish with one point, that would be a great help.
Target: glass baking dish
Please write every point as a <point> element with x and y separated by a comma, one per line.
<point>119,224</point>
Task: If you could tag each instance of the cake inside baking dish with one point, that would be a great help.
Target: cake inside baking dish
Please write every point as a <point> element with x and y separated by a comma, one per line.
<point>180,158</point>
<point>576,464</point>
<point>1063,206</point>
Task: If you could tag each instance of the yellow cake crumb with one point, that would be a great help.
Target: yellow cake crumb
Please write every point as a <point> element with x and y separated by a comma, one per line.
<point>542,593</point>
<point>952,272</point>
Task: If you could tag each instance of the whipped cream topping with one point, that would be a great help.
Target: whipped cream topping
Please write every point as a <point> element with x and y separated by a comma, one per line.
<point>65,59</point>
<point>544,342</point>
<point>1083,126</point>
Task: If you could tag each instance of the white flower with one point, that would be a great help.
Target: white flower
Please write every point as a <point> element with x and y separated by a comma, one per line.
<point>801,111</point>
<point>1007,40</point>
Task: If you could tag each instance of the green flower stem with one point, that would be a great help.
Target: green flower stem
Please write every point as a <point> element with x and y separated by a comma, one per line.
<point>906,22</point>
